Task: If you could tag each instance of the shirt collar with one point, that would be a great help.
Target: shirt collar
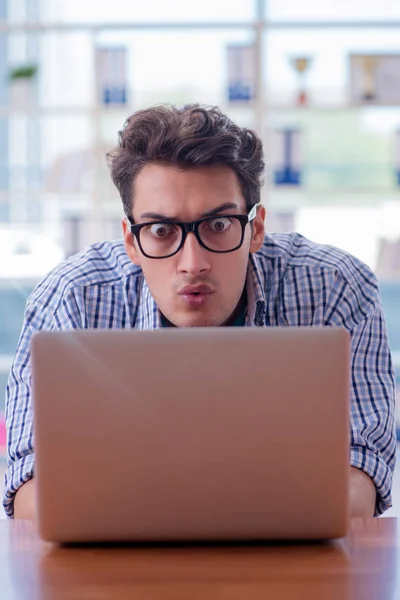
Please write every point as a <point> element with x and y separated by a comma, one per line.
<point>149,316</point>
<point>256,301</point>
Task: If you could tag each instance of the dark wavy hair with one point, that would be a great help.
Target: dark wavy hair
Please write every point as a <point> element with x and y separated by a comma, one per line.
<point>187,137</point>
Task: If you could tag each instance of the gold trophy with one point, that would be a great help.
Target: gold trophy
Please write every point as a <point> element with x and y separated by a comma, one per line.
<point>301,64</point>
<point>368,65</point>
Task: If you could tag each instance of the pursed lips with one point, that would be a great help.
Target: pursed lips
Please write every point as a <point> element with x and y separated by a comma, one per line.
<point>196,290</point>
<point>195,296</point>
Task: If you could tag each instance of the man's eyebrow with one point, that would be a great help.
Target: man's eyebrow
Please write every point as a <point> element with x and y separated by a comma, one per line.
<point>219,209</point>
<point>210,213</point>
<point>156,216</point>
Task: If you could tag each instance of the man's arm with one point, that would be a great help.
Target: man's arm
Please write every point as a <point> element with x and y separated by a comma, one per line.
<point>25,501</point>
<point>362,494</point>
<point>362,497</point>
<point>19,414</point>
<point>354,303</point>
<point>19,408</point>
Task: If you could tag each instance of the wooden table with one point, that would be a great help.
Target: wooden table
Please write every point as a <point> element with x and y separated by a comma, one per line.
<point>363,566</point>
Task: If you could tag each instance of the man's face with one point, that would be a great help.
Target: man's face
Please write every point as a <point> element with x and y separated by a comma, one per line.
<point>186,196</point>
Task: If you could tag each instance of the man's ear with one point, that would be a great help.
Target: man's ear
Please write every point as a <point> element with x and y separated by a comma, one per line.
<point>258,230</point>
<point>130,243</point>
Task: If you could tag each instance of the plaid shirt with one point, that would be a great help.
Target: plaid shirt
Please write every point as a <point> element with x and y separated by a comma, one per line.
<point>290,281</point>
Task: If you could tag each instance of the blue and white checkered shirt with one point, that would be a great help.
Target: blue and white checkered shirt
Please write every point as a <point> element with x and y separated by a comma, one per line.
<point>290,281</point>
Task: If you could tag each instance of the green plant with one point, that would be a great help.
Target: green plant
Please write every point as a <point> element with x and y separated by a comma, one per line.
<point>23,72</point>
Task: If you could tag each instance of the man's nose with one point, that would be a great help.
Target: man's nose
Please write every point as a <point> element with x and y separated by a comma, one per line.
<point>193,258</point>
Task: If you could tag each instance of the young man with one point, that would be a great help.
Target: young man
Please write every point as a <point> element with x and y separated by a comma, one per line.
<point>194,254</point>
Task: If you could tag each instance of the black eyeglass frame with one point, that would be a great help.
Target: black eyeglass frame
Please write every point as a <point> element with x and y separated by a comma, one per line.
<point>193,227</point>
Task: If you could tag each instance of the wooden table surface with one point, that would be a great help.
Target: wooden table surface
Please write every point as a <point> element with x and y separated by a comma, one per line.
<point>362,566</point>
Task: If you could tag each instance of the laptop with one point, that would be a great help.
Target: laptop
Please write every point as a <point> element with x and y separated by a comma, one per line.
<point>191,435</point>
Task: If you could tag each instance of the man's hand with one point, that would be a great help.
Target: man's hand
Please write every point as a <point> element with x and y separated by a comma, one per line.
<point>25,501</point>
<point>362,494</point>
<point>362,497</point>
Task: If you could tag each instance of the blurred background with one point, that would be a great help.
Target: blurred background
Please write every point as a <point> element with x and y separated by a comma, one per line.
<point>318,81</point>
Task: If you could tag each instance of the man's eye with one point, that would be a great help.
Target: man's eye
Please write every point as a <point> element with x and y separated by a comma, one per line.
<point>161,230</point>
<point>220,225</point>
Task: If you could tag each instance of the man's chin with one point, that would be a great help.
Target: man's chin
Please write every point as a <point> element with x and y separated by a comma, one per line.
<point>195,320</point>
<point>195,323</point>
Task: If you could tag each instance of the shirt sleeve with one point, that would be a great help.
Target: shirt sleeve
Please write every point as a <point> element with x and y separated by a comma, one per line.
<point>18,405</point>
<point>356,305</point>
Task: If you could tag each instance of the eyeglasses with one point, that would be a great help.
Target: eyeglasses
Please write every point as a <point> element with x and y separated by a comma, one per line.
<point>220,234</point>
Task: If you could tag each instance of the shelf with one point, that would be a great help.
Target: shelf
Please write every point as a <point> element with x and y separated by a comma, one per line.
<point>96,111</point>
<point>266,25</point>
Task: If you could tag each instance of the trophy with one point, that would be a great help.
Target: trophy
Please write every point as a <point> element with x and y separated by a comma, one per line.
<point>241,75</point>
<point>301,65</point>
<point>369,64</point>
